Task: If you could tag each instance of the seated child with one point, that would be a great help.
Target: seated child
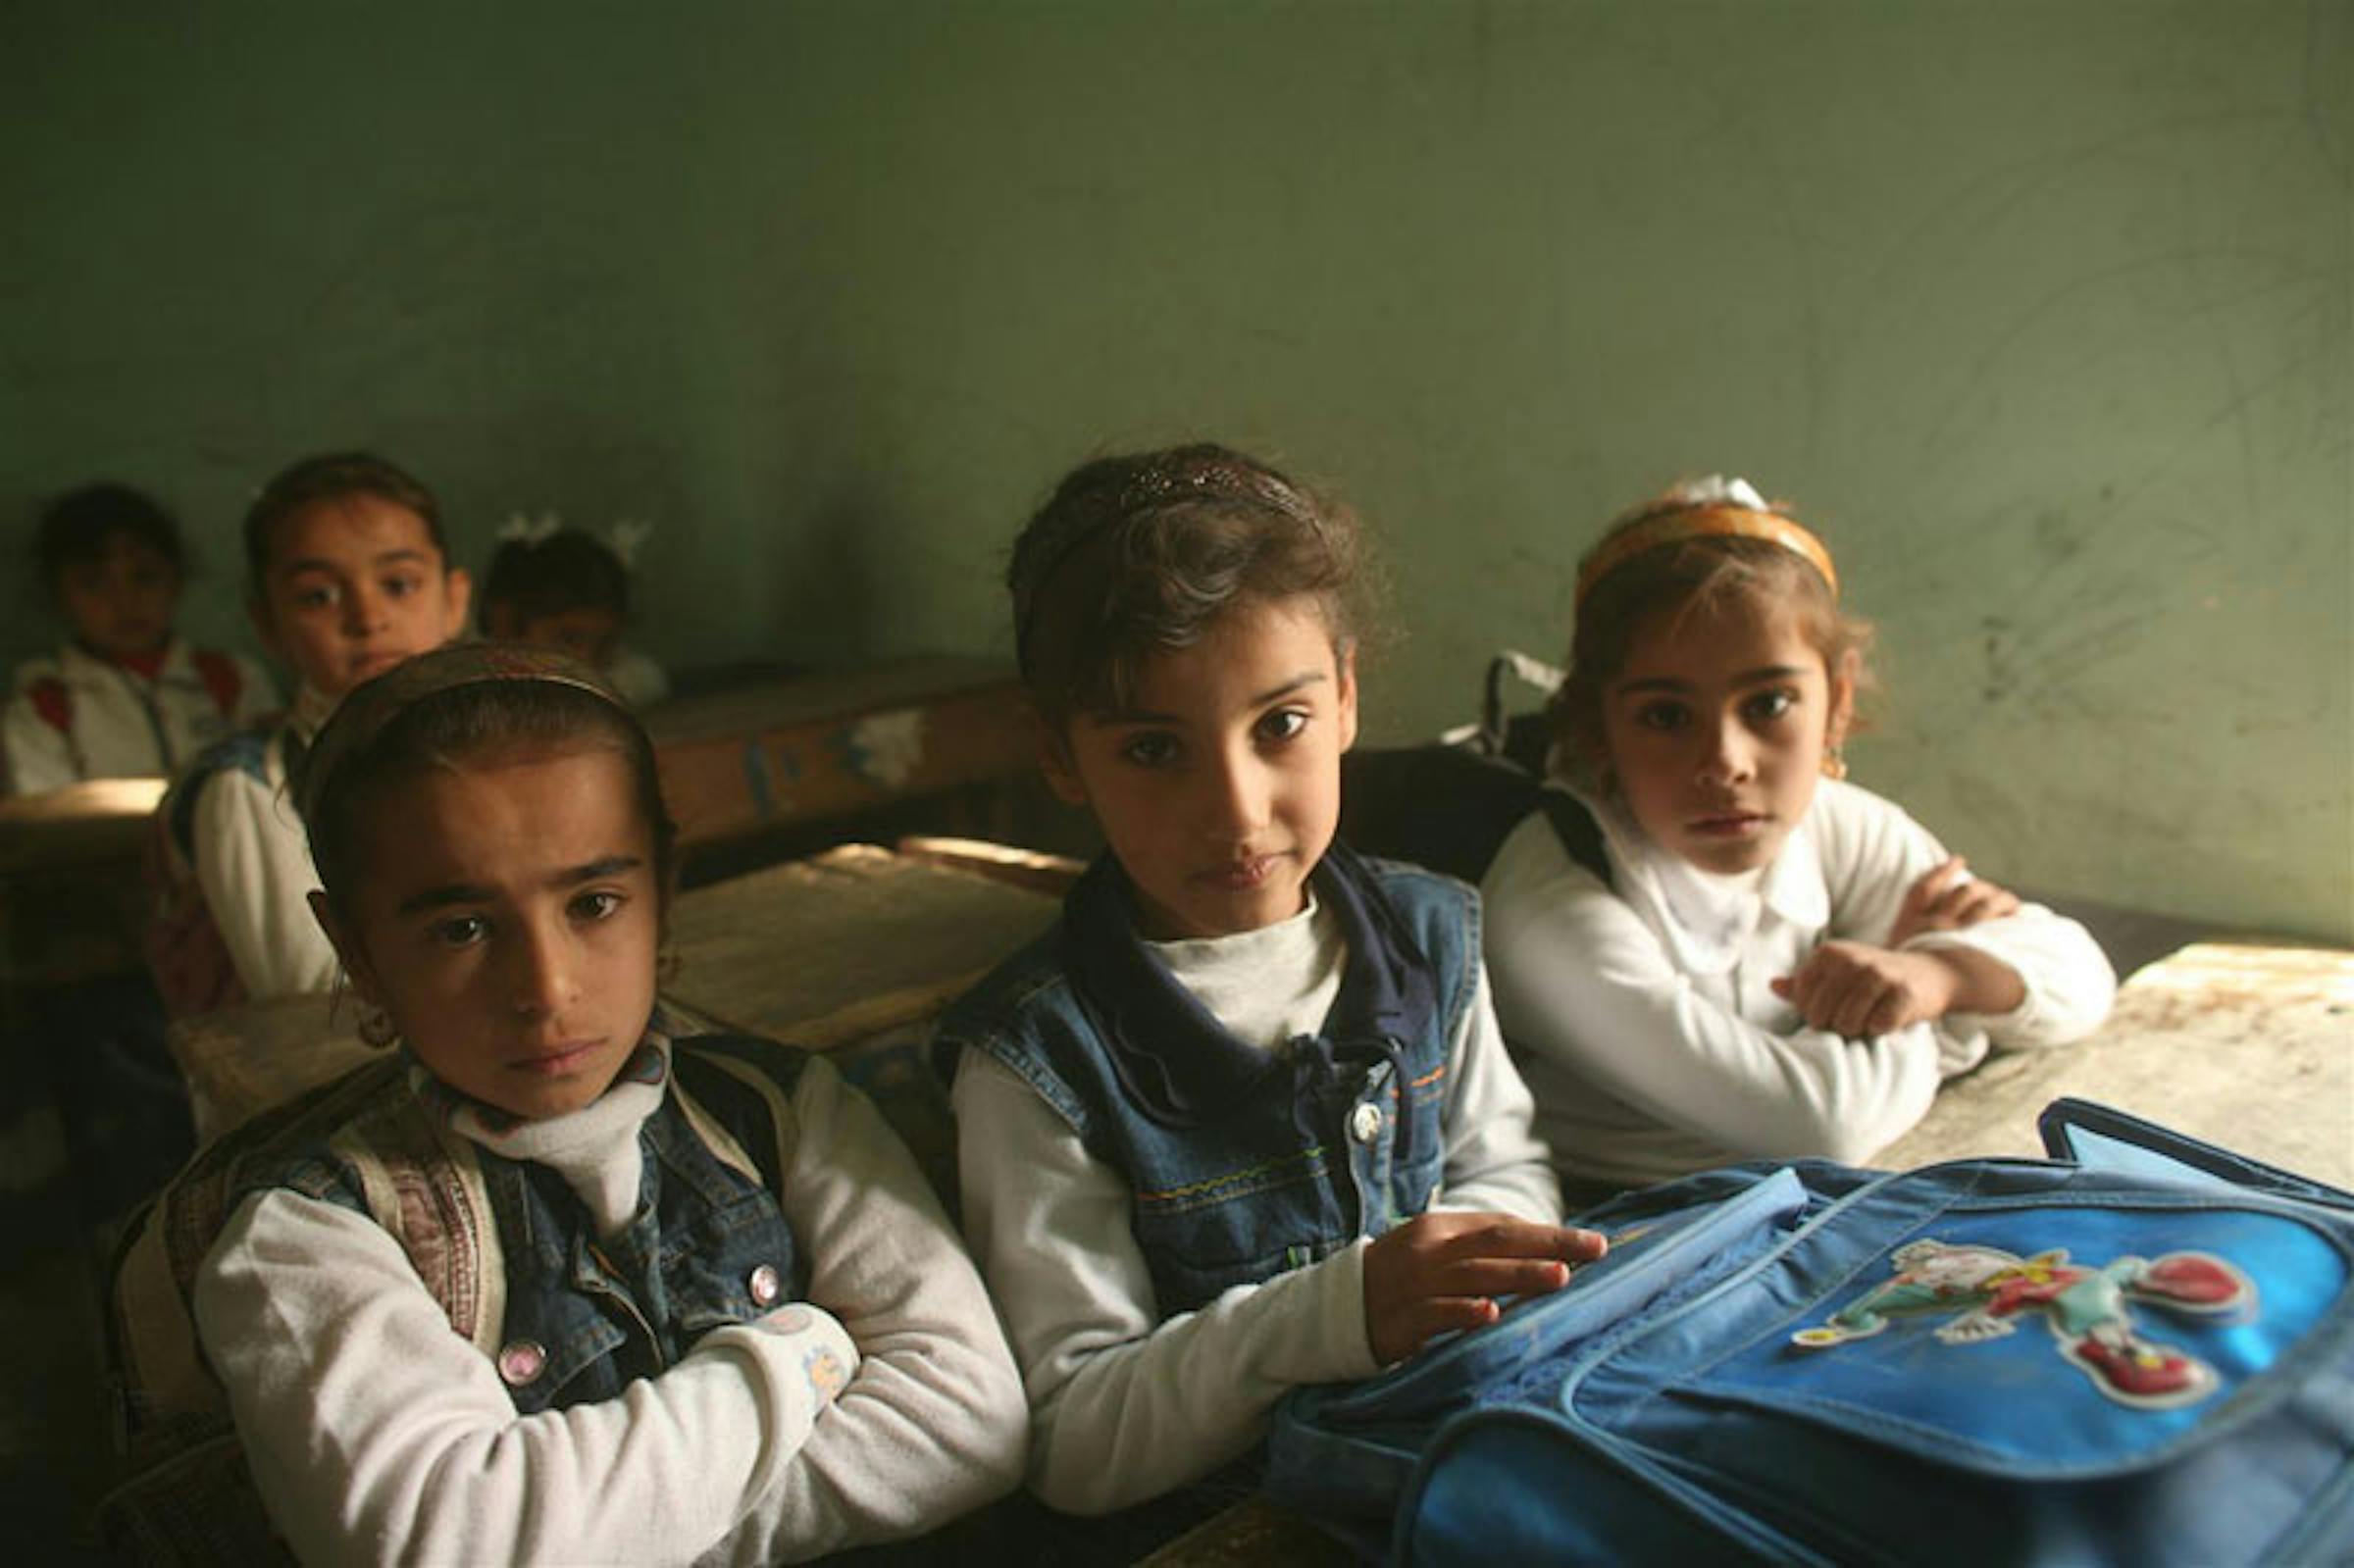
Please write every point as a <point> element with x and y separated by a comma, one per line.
<point>124,698</point>
<point>560,588</point>
<point>570,1276</point>
<point>1243,1120</point>
<point>1707,948</point>
<point>350,576</point>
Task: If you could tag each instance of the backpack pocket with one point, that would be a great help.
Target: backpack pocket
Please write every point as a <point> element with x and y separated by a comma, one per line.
<point>2000,1361</point>
<point>1344,1452</point>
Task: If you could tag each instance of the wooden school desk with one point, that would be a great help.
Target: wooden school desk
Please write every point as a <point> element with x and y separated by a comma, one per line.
<point>773,754</point>
<point>69,881</point>
<point>837,951</point>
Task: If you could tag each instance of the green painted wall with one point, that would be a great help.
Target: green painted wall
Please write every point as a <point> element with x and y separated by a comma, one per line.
<point>2041,310</point>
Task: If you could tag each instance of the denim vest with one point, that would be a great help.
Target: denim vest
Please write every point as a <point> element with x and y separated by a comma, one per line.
<point>583,1316</point>
<point>1244,1163</point>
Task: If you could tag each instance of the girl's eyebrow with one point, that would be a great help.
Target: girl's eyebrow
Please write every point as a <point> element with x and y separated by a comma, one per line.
<point>312,563</point>
<point>1305,678</point>
<point>466,892</point>
<point>1746,678</point>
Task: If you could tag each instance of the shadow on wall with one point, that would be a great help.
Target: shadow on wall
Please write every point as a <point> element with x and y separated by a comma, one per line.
<point>830,574</point>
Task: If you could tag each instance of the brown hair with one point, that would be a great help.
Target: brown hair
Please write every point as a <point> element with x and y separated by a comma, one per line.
<point>461,724</point>
<point>1137,555</point>
<point>1700,575</point>
<point>327,476</point>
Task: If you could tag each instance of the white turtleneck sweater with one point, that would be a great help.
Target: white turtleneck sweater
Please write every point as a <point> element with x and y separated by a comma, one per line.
<point>1644,1017</point>
<point>1125,1404</point>
<point>376,1434</point>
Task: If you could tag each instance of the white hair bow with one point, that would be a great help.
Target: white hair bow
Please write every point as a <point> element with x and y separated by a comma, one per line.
<point>530,530</point>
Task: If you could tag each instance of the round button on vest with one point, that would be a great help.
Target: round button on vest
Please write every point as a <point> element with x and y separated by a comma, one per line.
<point>764,1284</point>
<point>520,1361</point>
<point>1364,1123</point>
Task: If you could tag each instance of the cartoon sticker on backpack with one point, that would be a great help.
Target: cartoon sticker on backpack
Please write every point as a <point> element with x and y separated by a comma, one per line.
<point>2087,1308</point>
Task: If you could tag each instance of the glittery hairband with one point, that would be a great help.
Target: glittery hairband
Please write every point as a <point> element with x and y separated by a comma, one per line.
<point>364,713</point>
<point>1704,521</point>
<point>1153,490</point>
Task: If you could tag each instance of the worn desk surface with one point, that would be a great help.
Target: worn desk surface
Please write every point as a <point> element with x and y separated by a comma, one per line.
<point>821,952</point>
<point>94,821</point>
<point>780,752</point>
<point>2244,1044</point>
<point>70,885</point>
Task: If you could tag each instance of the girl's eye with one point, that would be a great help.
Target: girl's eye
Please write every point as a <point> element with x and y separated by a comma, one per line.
<point>461,931</point>
<point>1284,724</point>
<point>1660,715</point>
<point>601,904</point>
<point>313,596</point>
<point>1767,706</point>
<point>399,588</point>
<point>1152,750</point>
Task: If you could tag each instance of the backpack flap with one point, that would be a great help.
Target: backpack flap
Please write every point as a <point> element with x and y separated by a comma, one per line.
<point>1343,1452</point>
<point>2102,1137</point>
<point>1990,1360</point>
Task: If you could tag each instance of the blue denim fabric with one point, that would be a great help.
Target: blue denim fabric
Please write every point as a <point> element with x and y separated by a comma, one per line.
<point>1243,1163</point>
<point>626,1306</point>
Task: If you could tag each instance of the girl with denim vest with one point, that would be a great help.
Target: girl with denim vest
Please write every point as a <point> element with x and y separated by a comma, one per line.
<point>1709,947</point>
<point>572,1277</point>
<point>1243,1120</point>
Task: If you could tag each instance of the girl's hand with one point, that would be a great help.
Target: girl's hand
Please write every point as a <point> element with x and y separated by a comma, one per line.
<point>1860,992</point>
<point>1943,899</point>
<point>1439,1271</point>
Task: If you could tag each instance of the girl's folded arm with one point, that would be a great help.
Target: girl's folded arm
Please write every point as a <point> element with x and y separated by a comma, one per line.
<point>1580,979</point>
<point>375,1431</point>
<point>934,1421</point>
<point>1125,1406</point>
<point>1873,851</point>
<point>2068,982</point>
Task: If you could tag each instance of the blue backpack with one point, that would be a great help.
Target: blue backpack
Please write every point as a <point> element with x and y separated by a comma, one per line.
<point>2138,1352</point>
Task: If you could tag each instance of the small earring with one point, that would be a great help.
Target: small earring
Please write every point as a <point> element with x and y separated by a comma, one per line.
<point>1835,760</point>
<point>375,1026</point>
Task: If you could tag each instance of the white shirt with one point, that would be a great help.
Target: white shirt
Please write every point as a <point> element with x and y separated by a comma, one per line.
<point>1645,1019</point>
<point>253,862</point>
<point>637,678</point>
<point>118,723</point>
<point>1124,1404</point>
<point>374,1432</point>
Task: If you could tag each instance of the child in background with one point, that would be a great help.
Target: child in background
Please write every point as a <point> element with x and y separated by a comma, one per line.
<point>123,698</point>
<point>351,574</point>
<point>1709,947</point>
<point>560,588</point>
<point>672,1295</point>
<point>1243,1120</point>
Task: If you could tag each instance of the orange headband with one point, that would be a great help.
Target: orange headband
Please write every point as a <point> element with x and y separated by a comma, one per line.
<point>1704,521</point>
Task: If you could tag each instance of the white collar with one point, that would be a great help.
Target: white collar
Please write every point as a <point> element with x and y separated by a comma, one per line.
<point>1708,917</point>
